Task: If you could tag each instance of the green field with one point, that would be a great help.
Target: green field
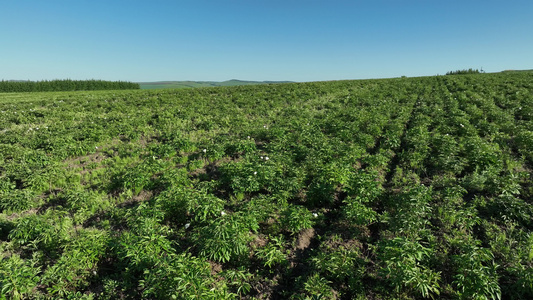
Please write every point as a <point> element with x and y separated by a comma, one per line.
<point>197,84</point>
<point>403,188</point>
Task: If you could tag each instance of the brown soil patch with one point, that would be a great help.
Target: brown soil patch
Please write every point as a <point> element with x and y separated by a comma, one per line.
<point>145,140</point>
<point>197,172</point>
<point>142,196</point>
<point>266,289</point>
<point>358,165</point>
<point>304,238</point>
<point>211,169</point>
<point>345,243</point>
<point>259,242</point>
<point>84,160</point>
<point>215,267</point>
<point>14,216</point>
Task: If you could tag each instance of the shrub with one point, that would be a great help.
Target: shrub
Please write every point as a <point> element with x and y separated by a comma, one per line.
<point>17,200</point>
<point>77,263</point>
<point>410,210</point>
<point>272,254</point>
<point>226,238</point>
<point>476,276</point>
<point>46,232</point>
<point>18,277</point>
<point>83,204</point>
<point>403,266</point>
<point>296,218</point>
<point>317,287</point>
<point>238,279</point>
<point>482,155</point>
<point>339,263</point>
<point>182,276</point>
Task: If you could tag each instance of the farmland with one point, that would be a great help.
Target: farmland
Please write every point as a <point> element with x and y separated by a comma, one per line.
<point>197,84</point>
<point>404,188</point>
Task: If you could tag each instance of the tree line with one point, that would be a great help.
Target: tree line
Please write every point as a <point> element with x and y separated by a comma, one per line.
<point>64,85</point>
<point>463,72</point>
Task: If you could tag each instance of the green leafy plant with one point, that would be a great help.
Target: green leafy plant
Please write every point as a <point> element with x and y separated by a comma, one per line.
<point>317,287</point>
<point>296,218</point>
<point>182,276</point>
<point>238,280</point>
<point>77,263</point>
<point>403,267</point>
<point>18,277</point>
<point>273,254</point>
<point>84,204</point>
<point>341,262</point>
<point>47,232</point>
<point>226,238</point>
<point>476,276</point>
<point>410,210</point>
<point>146,242</point>
<point>17,200</point>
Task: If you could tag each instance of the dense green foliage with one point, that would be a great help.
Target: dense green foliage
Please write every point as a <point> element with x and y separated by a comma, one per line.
<point>372,189</point>
<point>464,72</point>
<point>64,85</point>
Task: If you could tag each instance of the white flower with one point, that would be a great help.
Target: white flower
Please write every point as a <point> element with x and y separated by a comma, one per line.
<point>222,213</point>
<point>261,157</point>
<point>315,215</point>
<point>96,147</point>
<point>204,151</point>
<point>264,126</point>
<point>266,158</point>
<point>462,125</point>
<point>255,173</point>
<point>248,137</point>
<point>187,225</point>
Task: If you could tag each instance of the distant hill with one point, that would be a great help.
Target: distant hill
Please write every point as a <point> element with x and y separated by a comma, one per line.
<point>197,84</point>
<point>507,71</point>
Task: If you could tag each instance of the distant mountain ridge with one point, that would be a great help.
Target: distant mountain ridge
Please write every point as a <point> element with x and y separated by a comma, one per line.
<point>197,84</point>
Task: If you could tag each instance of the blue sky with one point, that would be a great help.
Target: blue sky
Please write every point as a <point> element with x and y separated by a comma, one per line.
<point>260,39</point>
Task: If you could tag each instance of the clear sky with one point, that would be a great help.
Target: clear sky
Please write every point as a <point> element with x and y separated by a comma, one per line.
<point>298,40</point>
